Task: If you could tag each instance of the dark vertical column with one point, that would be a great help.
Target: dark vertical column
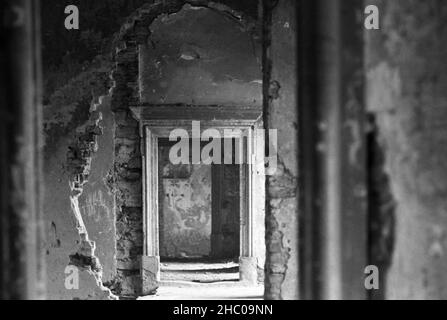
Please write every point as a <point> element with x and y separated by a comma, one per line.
<point>21,265</point>
<point>332,151</point>
<point>244,218</point>
<point>216,205</point>
<point>309,163</point>
<point>225,221</point>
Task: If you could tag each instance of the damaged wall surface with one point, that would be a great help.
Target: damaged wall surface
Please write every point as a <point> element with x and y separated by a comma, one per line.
<point>407,82</point>
<point>72,127</point>
<point>185,208</point>
<point>201,56</point>
<point>280,113</point>
<point>87,196</point>
<point>203,53</point>
<point>75,76</point>
<point>136,76</point>
<point>199,209</point>
<point>97,202</point>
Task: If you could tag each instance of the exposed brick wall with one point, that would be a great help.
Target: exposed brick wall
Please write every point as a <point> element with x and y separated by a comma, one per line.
<point>73,80</point>
<point>126,180</point>
<point>78,166</point>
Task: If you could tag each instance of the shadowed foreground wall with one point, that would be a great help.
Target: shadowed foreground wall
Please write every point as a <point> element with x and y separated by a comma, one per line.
<point>21,260</point>
<point>407,92</point>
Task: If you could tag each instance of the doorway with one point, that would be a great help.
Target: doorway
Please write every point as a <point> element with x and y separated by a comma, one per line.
<point>199,218</point>
<point>242,124</point>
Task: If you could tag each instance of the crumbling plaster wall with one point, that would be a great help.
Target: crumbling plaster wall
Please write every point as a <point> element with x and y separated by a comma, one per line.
<point>74,118</point>
<point>67,67</point>
<point>199,209</point>
<point>406,90</point>
<point>185,208</point>
<point>280,113</point>
<point>201,56</point>
<point>74,79</point>
<point>97,203</point>
<point>129,83</point>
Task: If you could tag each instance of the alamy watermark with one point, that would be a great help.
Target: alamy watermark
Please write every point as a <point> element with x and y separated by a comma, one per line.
<point>189,149</point>
<point>371,20</point>
<point>372,277</point>
<point>71,278</point>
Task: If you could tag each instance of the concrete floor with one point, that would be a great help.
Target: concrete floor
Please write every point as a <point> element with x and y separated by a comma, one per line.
<point>204,281</point>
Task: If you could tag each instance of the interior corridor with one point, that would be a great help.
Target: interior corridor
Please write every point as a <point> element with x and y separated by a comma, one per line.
<point>339,108</point>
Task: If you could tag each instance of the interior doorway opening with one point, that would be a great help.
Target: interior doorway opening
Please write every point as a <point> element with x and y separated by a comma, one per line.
<point>199,218</point>
<point>238,209</point>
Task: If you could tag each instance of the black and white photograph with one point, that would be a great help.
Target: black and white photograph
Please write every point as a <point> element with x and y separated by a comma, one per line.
<point>238,152</point>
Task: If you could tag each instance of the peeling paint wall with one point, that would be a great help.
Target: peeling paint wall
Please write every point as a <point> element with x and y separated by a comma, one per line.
<point>131,80</point>
<point>280,113</point>
<point>73,122</point>
<point>97,203</point>
<point>185,208</point>
<point>199,209</point>
<point>201,56</point>
<point>407,85</point>
<point>71,79</point>
<point>77,71</point>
